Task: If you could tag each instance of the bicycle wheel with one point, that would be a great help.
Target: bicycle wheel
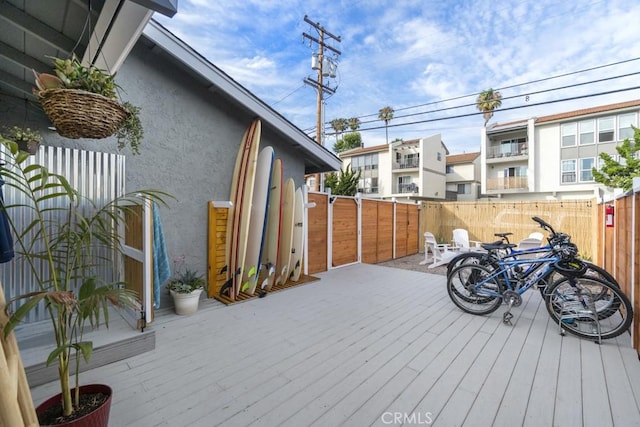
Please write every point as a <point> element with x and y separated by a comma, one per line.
<point>477,258</point>
<point>471,289</point>
<point>589,307</point>
<point>593,270</point>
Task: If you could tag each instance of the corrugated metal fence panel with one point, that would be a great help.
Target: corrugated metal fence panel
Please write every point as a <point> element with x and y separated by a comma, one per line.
<point>96,176</point>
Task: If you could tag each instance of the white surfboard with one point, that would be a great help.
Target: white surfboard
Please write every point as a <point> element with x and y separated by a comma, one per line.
<point>297,245</point>
<point>286,232</point>
<point>257,221</point>
<point>272,234</point>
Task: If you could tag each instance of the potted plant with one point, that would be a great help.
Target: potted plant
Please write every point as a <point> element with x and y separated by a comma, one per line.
<point>185,288</point>
<point>28,140</point>
<point>82,103</point>
<point>59,246</point>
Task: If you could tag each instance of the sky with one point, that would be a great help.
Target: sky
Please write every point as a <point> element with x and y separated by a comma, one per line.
<point>426,59</point>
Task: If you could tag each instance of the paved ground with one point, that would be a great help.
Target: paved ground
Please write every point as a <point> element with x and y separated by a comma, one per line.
<point>412,262</point>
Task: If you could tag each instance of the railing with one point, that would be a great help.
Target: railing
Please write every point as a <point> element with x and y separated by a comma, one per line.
<point>515,150</point>
<point>371,190</point>
<point>508,183</point>
<point>407,164</point>
<point>407,188</point>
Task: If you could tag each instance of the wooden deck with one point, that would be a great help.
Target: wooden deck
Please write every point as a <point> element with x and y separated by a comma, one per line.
<point>369,345</point>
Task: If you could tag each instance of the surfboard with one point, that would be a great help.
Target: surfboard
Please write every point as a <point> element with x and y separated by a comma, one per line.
<point>272,234</point>
<point>286,232</point>
<point>257,221</point>
<point>297,245</point>
<point>242,183</point>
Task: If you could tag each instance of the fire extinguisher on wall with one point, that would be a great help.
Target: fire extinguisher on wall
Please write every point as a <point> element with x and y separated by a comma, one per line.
<point>609,212</point>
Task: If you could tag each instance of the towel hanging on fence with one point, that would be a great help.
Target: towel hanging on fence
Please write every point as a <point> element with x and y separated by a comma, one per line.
<point>161,269</point>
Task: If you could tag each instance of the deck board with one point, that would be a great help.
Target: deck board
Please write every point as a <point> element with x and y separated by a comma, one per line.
<point>363,345</point>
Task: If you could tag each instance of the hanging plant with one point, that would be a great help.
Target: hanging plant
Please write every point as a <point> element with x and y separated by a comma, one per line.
<point>82,103</point>
<point>28,140</point>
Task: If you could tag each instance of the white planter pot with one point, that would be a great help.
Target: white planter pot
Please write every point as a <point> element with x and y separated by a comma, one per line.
<point>186,303</point>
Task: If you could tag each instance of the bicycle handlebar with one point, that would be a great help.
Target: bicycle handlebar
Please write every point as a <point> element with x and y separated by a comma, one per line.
<point>543,224</point>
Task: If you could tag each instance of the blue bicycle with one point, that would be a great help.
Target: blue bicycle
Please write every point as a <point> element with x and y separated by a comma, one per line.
<point>585,305</point>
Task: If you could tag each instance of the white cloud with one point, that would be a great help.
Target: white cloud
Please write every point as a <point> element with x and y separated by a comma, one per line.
<point>417,52</point>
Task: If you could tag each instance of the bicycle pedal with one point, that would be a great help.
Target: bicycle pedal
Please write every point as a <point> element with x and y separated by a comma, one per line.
<point>506,318</point>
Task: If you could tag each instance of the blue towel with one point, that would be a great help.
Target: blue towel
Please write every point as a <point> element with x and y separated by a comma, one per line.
<point>6,240</point>
<point>161,269</point>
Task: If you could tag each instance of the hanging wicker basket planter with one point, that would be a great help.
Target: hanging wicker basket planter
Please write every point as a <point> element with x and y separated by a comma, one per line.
<point>80,114</point>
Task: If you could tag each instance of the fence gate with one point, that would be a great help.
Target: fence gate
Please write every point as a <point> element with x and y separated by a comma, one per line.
<point>345,230</point>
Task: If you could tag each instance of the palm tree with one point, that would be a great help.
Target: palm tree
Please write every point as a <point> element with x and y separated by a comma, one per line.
<point>487,101</point>
<point>386,114</point>
<point>353,123</point>
<point>339,125</point>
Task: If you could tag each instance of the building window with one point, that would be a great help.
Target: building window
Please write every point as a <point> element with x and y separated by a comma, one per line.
<point>625,121</point>
<point>605,129</point>
<point>569,134</point>
<point>405,185</point>
<point>449,169</point>
<point>586,173</point>
<point>587,129</point>
<point>568,171</point>
<point>439,156</point>
<point>464,188</point>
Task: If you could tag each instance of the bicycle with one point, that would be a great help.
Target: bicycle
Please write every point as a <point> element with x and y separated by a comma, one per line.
<point>577,301</point>
<point>504,248</point>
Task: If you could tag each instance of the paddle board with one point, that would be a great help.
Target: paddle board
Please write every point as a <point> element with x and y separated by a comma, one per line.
<point>257,222</point>
<point>242,183</point>
<point>295,265</point>
<point>286,232</point>
<point>272,234</point>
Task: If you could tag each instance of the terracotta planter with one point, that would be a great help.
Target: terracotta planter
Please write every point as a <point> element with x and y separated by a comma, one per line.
<point>97,418</point>
<point>186,303</point>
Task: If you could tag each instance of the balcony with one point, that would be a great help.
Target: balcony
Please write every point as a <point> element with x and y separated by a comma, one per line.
<point>508,183</point>
<point>499,152</point>
<point>407,164</point>
<point>407,188</point>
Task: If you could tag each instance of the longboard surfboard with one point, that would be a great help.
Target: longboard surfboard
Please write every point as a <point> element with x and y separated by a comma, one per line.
<point>286,232</point>
<point>242,184</point>
<point>297,245</point>
<point>272,234</point>
<point>257,222</point>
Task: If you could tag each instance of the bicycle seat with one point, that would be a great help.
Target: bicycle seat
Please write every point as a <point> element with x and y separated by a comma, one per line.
<point>497,245</point>
<point>503,235</point>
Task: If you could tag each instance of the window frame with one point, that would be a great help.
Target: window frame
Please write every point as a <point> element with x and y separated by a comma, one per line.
<point>563,171</point>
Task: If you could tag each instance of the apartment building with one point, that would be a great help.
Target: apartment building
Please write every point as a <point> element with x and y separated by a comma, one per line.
<point>414,169</point>
<point>551,157</point>
<point>463,176</point>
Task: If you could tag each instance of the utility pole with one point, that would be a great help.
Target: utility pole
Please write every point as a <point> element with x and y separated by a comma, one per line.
<point>326,67</point>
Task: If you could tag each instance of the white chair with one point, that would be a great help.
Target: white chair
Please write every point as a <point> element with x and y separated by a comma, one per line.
<point>462,243</point>
<point>529,243</point>
<point>537,235</point>
<point>440,253</point>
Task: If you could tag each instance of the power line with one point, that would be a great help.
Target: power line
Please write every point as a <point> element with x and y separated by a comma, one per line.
<point>455,98</point>
<point>573,98</point>
<point>516,96</point>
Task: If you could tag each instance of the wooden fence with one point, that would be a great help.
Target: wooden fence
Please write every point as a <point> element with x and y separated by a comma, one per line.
<point>345,230</point>
<point>484,218</point>
<point>619,251</point>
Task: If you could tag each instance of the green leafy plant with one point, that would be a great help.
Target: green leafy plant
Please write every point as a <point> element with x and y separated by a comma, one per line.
<point>186,280</point>
<point>71,74</point>
<point>27,139</point>
<point>616,174</point>
<point>343,183</point>
<point>60,246</point>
